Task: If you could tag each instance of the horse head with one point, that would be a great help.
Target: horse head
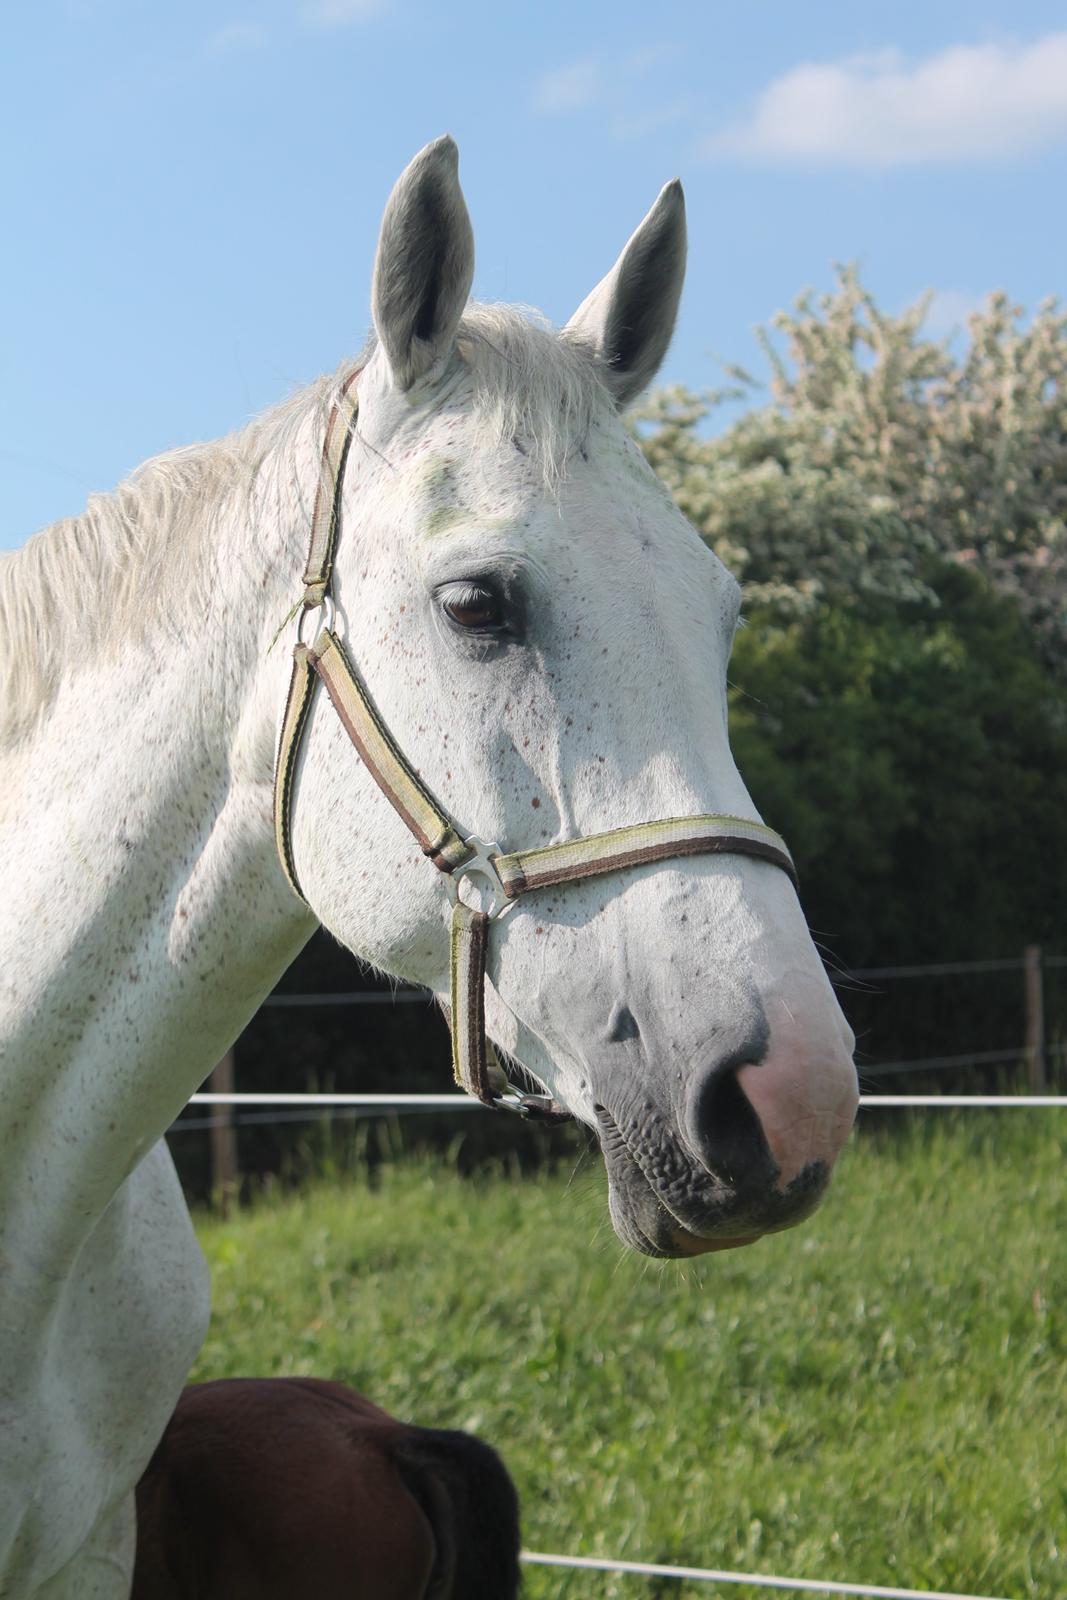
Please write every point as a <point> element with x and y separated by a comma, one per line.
<point>546,638</point>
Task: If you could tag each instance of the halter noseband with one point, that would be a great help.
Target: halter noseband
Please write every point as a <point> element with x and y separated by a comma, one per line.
<point>501,877</point>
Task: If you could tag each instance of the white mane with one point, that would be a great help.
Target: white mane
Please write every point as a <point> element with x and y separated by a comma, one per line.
<point>133,555</point>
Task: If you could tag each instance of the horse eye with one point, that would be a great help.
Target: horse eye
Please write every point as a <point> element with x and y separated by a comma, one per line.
<point>474,608</point>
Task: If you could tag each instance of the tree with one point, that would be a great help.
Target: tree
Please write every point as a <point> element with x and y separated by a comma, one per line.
<point>897,513</point>
<point>883,455</point>
<point>917,763</point>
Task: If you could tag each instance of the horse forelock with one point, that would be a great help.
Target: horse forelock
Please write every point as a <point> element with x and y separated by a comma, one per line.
<point>532,383</point>
<point>133,557</point>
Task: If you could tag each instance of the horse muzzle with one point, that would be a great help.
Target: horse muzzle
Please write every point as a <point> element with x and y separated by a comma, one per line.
<point>748,1150</point>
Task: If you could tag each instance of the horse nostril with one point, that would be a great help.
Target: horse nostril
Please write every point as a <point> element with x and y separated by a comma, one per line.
<point>623,1026</point>
<point>726,1132</point>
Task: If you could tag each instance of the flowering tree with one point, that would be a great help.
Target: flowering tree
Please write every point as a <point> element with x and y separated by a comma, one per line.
<point>897,512</point>
<point>882,454</point>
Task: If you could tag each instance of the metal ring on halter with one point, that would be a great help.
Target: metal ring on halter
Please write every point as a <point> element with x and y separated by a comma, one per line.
<point>328,612</point>
<point>527,1104</point>
<point>481,869</point>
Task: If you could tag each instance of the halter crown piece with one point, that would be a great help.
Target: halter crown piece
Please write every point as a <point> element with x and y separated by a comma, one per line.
<point>499,878</point>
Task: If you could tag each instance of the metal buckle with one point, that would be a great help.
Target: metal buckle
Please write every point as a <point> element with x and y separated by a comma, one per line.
<point>481,870</point>
<point>526,1104</point>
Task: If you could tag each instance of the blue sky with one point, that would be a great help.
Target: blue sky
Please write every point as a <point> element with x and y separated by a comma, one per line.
<point>192,193</point>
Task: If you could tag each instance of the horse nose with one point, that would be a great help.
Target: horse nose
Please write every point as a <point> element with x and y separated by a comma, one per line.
<point>724,1130</point>
<point>771,1111</point>
<point>806,1102</point>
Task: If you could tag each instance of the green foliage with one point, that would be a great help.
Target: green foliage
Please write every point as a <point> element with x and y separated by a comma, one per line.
<point>881,454</point>
<point>898,516</point>
<point>877,1396</point>
<point>916,760</point>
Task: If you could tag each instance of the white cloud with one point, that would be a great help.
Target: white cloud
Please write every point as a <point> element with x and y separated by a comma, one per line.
<point>967,103</point>
<point>341,13</point>
<point>647,57</point>
<point>237,36</point>
<point>571,88</point>
<point>642,124</point>
<point>612,85</point>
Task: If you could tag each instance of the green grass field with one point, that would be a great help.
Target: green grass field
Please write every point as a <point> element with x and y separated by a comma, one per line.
<point>879,1396</point>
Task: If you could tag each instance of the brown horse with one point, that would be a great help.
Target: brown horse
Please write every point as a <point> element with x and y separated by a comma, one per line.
<point>298,1489</point>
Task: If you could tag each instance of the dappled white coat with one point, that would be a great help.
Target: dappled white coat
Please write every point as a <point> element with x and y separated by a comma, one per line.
<point>145,915</point>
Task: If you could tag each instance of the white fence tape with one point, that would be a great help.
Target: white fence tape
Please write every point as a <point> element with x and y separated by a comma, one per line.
<point>459,1102</point>
<point>758,1580</point>
<point>431,1102</point>
<point>1004,1101</point>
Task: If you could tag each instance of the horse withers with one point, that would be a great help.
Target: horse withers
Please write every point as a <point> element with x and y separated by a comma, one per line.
<point>291,1488</point>
<point>545,639</point>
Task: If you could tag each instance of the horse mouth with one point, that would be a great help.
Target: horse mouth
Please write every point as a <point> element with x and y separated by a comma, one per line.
<point>663,1202</point>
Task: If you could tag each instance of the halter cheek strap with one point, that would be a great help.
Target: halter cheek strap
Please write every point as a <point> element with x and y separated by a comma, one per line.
<point>495,878</point>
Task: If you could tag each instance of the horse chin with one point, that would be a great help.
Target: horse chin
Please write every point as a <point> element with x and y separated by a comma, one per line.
<point>691,1244</point>
<point>694,1213</point>
<point>644,1223</point>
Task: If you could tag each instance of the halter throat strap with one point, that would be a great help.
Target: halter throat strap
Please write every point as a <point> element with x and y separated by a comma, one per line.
<point>493,880</point>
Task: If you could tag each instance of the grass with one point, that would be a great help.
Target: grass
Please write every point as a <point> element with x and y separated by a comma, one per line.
<point>879,1396</point>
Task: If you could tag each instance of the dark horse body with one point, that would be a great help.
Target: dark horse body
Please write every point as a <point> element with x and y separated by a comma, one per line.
<point>293,1488</point>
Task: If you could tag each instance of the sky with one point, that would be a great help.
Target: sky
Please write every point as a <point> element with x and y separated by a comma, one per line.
<point>192,193</point>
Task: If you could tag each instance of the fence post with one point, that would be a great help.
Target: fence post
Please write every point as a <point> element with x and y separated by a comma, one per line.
<point>225,1173</point>
<point>1034,1000</point>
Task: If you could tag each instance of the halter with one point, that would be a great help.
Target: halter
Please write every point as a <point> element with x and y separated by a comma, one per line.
<point>494,878</point>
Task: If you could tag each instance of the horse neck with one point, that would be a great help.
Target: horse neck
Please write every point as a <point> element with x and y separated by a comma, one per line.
<point>147,915</point>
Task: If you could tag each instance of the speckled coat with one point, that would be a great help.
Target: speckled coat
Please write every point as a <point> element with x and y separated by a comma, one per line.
<point>681,1010</point>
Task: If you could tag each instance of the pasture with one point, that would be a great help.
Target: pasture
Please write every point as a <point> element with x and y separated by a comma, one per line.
<point>880,1396</point>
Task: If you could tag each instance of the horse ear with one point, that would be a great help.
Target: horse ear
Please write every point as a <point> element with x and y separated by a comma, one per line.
<point>629,317</point>
<point>425,263</point>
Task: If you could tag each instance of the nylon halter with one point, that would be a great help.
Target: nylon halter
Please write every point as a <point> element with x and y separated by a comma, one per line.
<point>496,879</point>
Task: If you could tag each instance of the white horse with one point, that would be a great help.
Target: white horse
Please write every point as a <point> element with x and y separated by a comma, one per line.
<point>547,639</point>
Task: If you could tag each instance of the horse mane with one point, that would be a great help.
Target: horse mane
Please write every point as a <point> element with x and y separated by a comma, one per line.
<point>131,559</point>
<point>129,562</point>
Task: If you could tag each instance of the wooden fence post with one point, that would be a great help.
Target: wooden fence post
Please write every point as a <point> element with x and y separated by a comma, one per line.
<point>225,1173</point>
<point>1034,999</point>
